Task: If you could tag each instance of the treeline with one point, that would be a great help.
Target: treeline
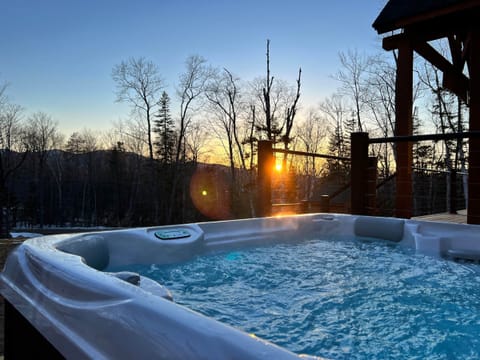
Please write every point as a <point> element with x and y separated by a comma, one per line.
<point>140,171</point>
<point>110,188</point>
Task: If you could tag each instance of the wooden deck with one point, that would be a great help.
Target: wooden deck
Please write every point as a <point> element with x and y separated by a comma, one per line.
<point>460,217</point>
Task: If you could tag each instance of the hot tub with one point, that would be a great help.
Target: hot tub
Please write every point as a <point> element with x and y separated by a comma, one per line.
<point>62,287</point>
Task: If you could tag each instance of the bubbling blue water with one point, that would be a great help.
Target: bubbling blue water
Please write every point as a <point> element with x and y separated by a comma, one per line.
<point>347,299</point>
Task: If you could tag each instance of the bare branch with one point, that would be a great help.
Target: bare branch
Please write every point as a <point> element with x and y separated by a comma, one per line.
<point>139,83</point>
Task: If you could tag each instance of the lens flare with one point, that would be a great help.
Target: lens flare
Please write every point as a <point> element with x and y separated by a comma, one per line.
<point>209,193</point>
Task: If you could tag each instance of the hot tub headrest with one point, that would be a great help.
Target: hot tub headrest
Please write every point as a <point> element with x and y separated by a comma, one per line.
<point>380,228</point>
<point>92,248</point>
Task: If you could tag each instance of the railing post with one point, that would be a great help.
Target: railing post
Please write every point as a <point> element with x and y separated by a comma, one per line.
<point>358,173</point>
<point>324,203</point>
<point>453,191</point>
<point>264,178</point>
<point>304,206</point>
<point>372,185</point>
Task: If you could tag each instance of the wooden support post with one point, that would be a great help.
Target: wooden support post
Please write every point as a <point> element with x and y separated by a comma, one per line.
<point>264,178</point>
<point>453,192</point>
<point>324,203</point>
<point>358,173</point>
<point>473,215</point>
<point>372,186</point>
<point>304,206</point>
<point>404,127</point>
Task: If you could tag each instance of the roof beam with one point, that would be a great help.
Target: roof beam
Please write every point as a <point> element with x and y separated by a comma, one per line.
<point>453,78</point>
<point>429,31</point>
<point>393,42</point>
<point>456,85</point>
<point>456,51</point>
<point>433,56</point>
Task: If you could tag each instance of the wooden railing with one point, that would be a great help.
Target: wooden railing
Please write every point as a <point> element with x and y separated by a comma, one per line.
<point>363,173</point>
<point>266,164</point>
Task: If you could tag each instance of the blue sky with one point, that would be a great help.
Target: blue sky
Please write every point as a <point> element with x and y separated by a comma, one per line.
<point>57,55</point>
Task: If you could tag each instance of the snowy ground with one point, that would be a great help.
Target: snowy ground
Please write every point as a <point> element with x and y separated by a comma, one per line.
<point>24,235</point>
<point>30,232</point>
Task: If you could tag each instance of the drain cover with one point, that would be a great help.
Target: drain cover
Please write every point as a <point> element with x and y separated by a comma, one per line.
<point>172,234</point>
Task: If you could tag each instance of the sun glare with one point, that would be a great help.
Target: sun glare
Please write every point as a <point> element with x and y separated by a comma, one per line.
<point>278,167</point>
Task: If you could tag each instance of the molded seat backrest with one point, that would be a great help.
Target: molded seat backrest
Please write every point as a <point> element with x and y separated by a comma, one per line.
<point>92,248</point>
<point>380,228</point>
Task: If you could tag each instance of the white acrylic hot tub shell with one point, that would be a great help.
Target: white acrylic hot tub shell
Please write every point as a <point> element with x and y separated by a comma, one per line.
<point>88,313</point>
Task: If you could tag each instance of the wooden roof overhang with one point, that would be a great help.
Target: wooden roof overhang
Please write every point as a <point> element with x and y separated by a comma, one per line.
<point>414,24</point>
<point>419,22</point>
<point>399,14</point>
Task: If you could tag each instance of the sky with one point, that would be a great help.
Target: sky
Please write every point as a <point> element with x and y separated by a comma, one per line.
<point>57,55</point>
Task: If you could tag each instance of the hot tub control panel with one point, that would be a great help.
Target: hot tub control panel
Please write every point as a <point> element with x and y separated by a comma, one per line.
<point>172,234</point>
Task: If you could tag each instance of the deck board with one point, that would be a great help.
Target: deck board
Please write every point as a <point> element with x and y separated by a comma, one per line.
<point>460,217</point>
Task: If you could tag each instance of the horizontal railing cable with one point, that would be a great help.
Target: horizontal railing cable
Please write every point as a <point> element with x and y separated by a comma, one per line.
<point>303,153</point>
<point>431,137</point>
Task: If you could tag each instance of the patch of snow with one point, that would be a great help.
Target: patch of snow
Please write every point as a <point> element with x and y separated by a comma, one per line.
<point>24,235</point>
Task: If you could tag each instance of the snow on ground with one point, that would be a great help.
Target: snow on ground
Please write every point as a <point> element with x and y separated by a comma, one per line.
<point>24,235</point>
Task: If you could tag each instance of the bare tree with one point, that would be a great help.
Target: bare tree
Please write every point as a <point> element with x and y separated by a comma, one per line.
<point>13,152</point>
<point>270,94</point>
<point>278,102</point>
<point>82,142</point>
<point>312,135</point>
<point>275,107</point>
<point>43,134</point>
<point>43,137</point>
<point>291,112</point>
<point>249,136</point>
<point>352,81</point>
<point>447,116</point>
<point>190,93</point>
<point>334,111</point>
<point>3,95</point>
<point>266,93</point>
<point>195,140</point>
<point>380,102</point>
<point>139,83</point>
<point>130,135</point>
<point>224,95</point>
<point>190,90</point>
<point>443,106</point>
<point>378,105</point>
<point>85,143</point>
<point>11,127</point>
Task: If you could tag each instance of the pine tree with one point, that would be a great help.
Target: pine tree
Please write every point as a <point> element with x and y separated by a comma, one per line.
<point>339,145</point>
<point>350,126</point>
<point>164,129</point>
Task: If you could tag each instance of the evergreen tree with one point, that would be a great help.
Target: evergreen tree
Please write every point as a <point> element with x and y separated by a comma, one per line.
<point>349,127</point>
<point>164,129</point>
<point>339,145</point>
<point>422,152</point>
<point>75,144</point>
